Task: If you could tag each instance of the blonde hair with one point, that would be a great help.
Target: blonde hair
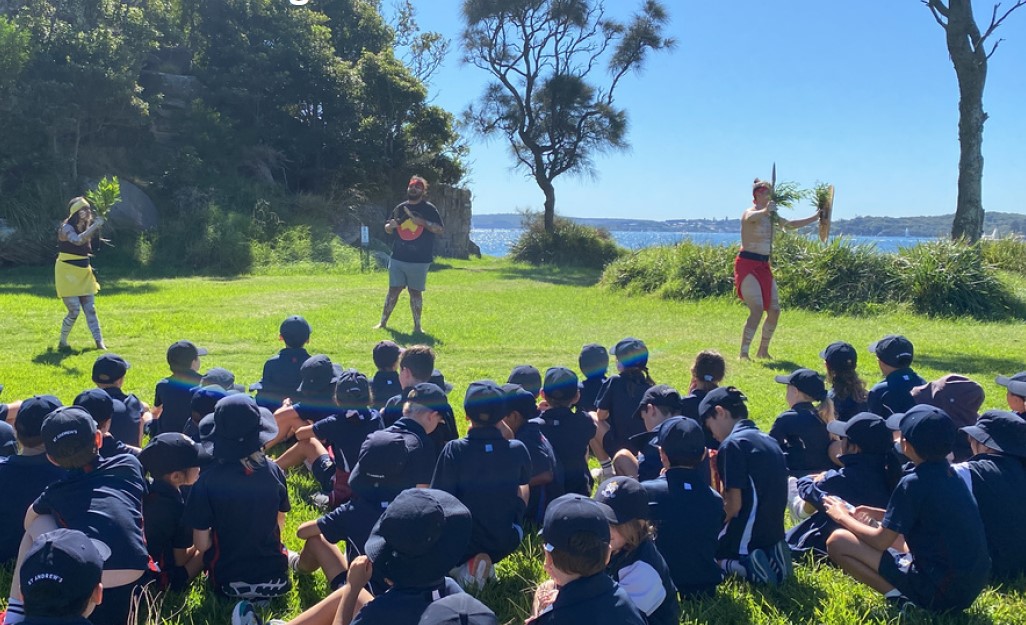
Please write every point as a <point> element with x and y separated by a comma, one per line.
<point>824,408</point>
<point>634,533</point>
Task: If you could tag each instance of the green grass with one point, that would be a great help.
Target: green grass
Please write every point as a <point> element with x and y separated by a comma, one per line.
<point>484,317</point>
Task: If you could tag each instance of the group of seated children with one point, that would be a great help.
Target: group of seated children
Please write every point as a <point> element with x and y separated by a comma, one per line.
<point>691,490</point>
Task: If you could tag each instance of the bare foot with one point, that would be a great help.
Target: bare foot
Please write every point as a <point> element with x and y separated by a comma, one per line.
<point>764,355</point>
<point>380,326</point>
<point>744,356</point>
<point>418,330</point>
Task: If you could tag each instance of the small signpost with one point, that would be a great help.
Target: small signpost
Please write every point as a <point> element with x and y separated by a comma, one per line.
<point>364,247</point>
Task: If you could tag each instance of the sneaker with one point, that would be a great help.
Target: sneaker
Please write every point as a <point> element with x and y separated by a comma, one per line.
<point>474,572</point>
<point>780,559</point>
<point>244,614</point>
<point>759,569</point>
<point>101,345</point>
<point>601,474</point>
<point>320,501</point>
<point>294,562</point>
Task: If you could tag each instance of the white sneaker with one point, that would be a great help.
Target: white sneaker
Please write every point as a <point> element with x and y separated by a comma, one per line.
<point>474,572</point>
<point>244,614</point>
<point>600,474</point>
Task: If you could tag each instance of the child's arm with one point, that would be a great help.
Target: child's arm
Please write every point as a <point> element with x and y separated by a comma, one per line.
<point>308,530</point>
<point>281,521</point>
<point>304,433</point>
<point>201,539</point>
<point>731,503</point>
<point>360,570</point>
<point>878,537</point>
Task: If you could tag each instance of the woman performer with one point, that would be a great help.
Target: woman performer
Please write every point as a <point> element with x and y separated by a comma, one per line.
<point>73,276</point>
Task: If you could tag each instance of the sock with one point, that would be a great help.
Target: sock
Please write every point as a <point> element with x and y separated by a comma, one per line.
<point>15,612</point>
<point>893,593</point>
<point>607,466</point>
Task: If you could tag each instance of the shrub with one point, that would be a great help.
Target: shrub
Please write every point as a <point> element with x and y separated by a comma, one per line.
<point>203,237</point>
<point>686,270</point>
<point>569,244</point>
<point>301,247</point>
<point>1008,254</point>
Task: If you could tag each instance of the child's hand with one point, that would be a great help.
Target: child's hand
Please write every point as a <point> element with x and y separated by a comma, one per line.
<point>360,571</point>
<point>544,596</point>
<point>835,508</point>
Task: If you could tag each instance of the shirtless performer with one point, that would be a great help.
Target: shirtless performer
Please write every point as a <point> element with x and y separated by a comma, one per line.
<point>753,277</point>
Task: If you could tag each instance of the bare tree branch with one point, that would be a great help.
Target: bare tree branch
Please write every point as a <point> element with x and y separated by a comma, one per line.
<point>996,21</point>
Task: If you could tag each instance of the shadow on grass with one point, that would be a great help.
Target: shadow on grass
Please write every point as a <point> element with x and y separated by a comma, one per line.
<point>44,288</point>
<point>56,357</point>
<point>956,363</point>
<point>566,276</point>
<point>781,365</point>
<point>414,338</point>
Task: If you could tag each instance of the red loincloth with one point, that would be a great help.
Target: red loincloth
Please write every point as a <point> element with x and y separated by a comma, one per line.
<point>763,274</point>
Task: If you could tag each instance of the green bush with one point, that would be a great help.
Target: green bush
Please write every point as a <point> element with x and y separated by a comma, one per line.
<point>1008,254</point>
<point>203,237</point>
<point>569,244</point>
<point>300,247</point>
<point>685,271</point>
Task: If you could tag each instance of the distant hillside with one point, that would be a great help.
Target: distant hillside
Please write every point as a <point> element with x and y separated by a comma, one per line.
<point>934,226</point>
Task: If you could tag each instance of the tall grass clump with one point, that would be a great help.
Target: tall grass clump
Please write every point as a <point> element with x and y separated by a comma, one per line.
<point>685,271</point>
<point>948,279</point>
<point>569,244</point>
<point>841,276</point>
<point>1008,254</point>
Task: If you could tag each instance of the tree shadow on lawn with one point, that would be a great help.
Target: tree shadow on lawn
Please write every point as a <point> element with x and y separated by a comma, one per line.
<point>781,365</point>
<point>46,289</point>
<point>957,363</point>
<point>565,276</point>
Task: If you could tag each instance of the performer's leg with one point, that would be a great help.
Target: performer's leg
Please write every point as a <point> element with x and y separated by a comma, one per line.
<point>770,325</point>
<point>416,307</point>
<point>751,293</point>
<point>390,301</point>
<point>89,307</point>
<point>74,308</point>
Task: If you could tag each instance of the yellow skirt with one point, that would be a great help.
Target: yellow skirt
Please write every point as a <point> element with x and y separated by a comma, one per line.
<point>73,276</point>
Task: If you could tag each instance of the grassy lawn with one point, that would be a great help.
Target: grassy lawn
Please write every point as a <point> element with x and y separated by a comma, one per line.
<point>483,317</point>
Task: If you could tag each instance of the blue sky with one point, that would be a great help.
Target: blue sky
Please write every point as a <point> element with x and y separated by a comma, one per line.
<point>858,94</point>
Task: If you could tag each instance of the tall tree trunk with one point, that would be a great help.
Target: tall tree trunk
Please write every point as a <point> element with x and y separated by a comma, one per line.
<point>968,223</point>
<point>550,203</point>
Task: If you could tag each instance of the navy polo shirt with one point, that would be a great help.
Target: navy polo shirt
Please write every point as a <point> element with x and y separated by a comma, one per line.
<point>174,395</point>
<point>352,522</point>
<point>345,433</point>
<point>593,600</point>
<point>650,465</point>
<point>313,408</point>
<point>543,460</point>
<point>894,393</point>
<point>240,507</point>
<point>485,471</point>
<point>846,408</point>
<point>804,438</point>
<point>112,447</point>
<point>42,620</point>
<point>569,433</point>
<point>644,576</point>
<point>281,377</point>
<point>420,464</point>
<point>862,481</point>
<point>589,389</point>
<point>128,411</point>
<point>934,510</point>
<point>621,397</point>
<point>163,508</point>
<point>753,463</point>
<point>688,516</point>
<point>384,386</point>
<point>404,606</point>
<point>998,483</point>
<point>103,500</point>
<point>22,480</point>
<point>445,432</point>
<point>689,408</point>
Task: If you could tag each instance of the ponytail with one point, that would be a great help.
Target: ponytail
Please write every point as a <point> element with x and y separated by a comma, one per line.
<point>825,410</point>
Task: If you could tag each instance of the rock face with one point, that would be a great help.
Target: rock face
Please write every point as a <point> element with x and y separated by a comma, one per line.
<point>454,205</point>
<point>136,210</point>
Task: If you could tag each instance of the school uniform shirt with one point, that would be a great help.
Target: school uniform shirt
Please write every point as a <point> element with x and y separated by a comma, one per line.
<point>934,510</point>
<point>345,433</point>
<point>645,577</point>
<point>404,605</point>
<point>385,385</point>
<point>352,522</point>
<point>281,377</point>
<point>42,620</point>
<point>485,471</point>
<point>569,433</point>
<point>174,395</point>
<point>104,501</point>
<point>650,465</point>
<point>862,481</point>
<point>621,398</point>
<point>753,463</point>
<point>997,483</point>
<point>589,390</point>
<point>412,243</point>
<point>128,411</point>
<point>689,408</point>
<point>803,437</point>
<point>845,409</point>
<point>112,447</point>
<point>22,480</point>
<point>593,600</point>
<point>543,460</point>
<point>688,515</point>
<point>240,507</point>
<point>420,464</point>
<point>312,408</point>
<point>165,531</point>
<point>894,393</point>
<point>445,432</point>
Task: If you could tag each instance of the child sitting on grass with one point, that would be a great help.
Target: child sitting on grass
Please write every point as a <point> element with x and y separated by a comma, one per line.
<point>172,394</point>
<point>802,430</point>
<point>385,384</point>
<point>594,363</point>
<point>281,375</point>
<point>567,430</point>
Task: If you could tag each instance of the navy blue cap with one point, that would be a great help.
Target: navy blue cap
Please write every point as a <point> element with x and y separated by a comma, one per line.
<point>439,380</point>
<point>681,437</point>
<point>485,402</point>
<point>8,440</point>
<point>726,396</point>
<point>33,411</point>
<point>1000,430</point>
<point>98,403</point>
<point>807,381</point>
<point>238,427</point>
<point>352,390</point>
<point>318,374</point>
<point>528,377</point>
<point>109,368</point>
<point>560,383</point>
<point>894,350</point>
<point>928,428</point>
<point>1016,384</point>
<point>172,451</point>
<point>379,471</point>
<point>662,395</point>
<point>867,430</point>
<point>219,376</point>
<point>294,330</point>
<point>61,565</point>
<point>204,398</point>
<point>421,536</point>
<point>594,360</point>
<point>575,514</point>
<point>631,352</point>
<point>840,356</point>
<point>181,354</point>
<point>520,399</point>
<point>458,609</point>
<point>428,395</point>
<point>625,497</point>
<point>68,431</point>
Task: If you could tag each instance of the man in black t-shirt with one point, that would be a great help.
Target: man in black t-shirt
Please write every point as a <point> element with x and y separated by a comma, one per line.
<point>413,226</point>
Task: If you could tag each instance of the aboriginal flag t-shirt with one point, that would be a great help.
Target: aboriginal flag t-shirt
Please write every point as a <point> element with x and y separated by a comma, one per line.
<point>412,243</point>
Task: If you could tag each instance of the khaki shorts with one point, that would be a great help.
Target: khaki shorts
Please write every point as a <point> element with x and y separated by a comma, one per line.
<point>410,275</point>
